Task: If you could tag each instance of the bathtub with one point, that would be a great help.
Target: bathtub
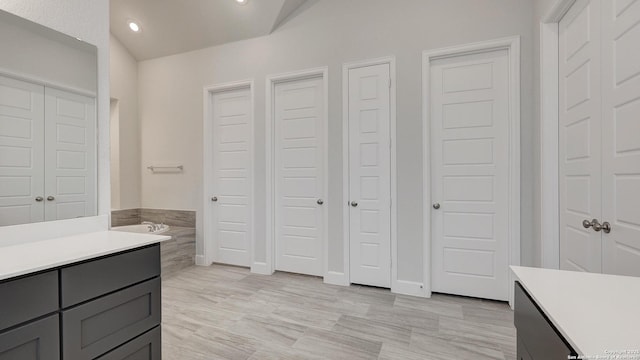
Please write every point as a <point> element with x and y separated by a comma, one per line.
<point>142,228</point>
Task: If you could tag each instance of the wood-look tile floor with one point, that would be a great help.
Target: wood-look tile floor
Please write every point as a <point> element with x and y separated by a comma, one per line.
<point>225,312</point>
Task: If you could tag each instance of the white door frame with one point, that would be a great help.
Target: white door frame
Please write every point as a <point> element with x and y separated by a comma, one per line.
<point>322,72</point>
<point>209,240</point>
<point>397,286</point>
<point>512,46</point>
<point>549,134</point>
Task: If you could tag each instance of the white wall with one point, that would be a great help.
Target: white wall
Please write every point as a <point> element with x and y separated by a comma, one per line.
<point>70,63</point>
<point>89,21</point>
<point>124,88</point>
<point>328,33</point>
<point>540,10</point>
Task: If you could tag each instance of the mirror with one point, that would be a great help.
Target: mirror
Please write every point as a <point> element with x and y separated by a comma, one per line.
<point>48,88</point>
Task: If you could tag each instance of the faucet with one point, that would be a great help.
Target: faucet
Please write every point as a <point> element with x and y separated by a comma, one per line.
<point>152,226</point>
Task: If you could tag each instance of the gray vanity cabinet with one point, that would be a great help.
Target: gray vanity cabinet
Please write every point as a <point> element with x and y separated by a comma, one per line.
<point>93,328</point>
<point>106,308</point>
<point>537,337</point>
<point>144,347</point>
<point>38,340</point>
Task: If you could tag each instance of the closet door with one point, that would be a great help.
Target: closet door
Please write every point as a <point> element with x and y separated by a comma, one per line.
<point>70,160</point>
<point>232,174</point>
<point>470,175</point>
<point>370,175</point>
<point>580,136</point>
<point>621,136</point>
<point>21,152</point>
<point>299,175</point>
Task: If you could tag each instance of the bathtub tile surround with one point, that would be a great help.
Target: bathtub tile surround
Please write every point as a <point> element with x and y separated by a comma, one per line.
<point>182,218</point>
<point>125,217</point>
<point>177,253</point>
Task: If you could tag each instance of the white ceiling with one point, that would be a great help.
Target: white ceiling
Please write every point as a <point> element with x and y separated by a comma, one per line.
<point>176,26</point>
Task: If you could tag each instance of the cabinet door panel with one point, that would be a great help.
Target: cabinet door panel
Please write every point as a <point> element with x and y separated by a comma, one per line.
<point>145,347</point>
<point>94,328</point>
<point>28,298</point>
<point>92,279</point>
<point>39,340</point>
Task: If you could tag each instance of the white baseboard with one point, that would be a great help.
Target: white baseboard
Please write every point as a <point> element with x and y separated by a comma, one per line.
<point>200,261</point>
<point>260,268</point>
<point>336,278</point>
<point>408,288</point>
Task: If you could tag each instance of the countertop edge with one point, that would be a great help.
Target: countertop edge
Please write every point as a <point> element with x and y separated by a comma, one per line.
<point>134,241</point>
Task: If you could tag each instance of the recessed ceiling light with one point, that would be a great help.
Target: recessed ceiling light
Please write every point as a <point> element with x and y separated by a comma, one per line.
<point>242,2</point>
<point>135,27</point>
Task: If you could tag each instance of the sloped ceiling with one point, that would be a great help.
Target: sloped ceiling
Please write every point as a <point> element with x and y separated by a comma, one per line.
<point>176,26</point>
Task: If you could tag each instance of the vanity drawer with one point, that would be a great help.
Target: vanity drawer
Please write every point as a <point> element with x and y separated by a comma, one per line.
<point>145,347</point>
<point>94,328</point>
<point>28,298</point>
<point>91,279</point>
<point>535,333</point>
<point>38,340</point>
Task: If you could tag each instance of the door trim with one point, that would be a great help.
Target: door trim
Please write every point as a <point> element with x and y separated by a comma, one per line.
<point>512,45</point>
<point>268,267</point>
<point>549,135</point>
<point>209,240</point>
<point>397,286</point>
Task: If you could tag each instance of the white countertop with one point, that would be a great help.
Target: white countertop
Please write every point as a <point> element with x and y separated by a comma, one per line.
<point>595,313</point>
<point>21,259</point>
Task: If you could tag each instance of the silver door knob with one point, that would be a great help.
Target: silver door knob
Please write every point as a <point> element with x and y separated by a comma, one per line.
<point>214,199</point>
<point>39,198</point>
<point>436,206</point>
<point>354,204</point>
<point>606,227</point>
<point>596,226</point>
<point>320,201</point>
<point>50,198</point>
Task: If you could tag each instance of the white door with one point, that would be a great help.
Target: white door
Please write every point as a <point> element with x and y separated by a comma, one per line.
<point>580,136</point>
<point>621,137</point>
<point>470,175</point>
<point>232,174</point>
<point>70,159</point>
<point>21,152</point>
<point>370,176</point>
<point>299,120</point>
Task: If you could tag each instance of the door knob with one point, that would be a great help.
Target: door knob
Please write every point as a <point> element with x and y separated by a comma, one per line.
<point>436,206</point>
<point>586,223</point>
<point>320,201</point>
<point>50,198</point>
<point>354,204</point>
<point>214,199</point>
<point>596,226</point>
<point>39,198</point>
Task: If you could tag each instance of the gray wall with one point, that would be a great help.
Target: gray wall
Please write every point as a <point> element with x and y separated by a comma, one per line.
<point>124,88</point>
<point>42,54</point>
<point>329,33</point>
